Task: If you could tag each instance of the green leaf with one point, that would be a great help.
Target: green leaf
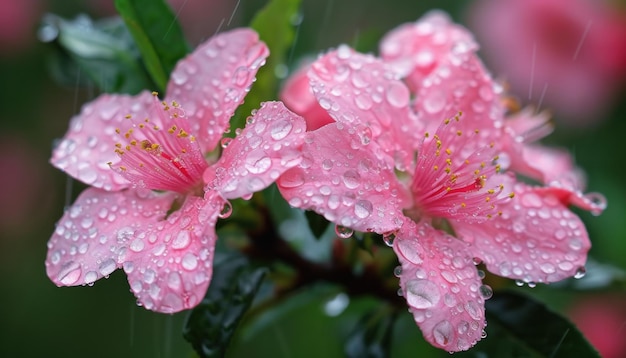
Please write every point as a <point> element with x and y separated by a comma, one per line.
<point>521,327</point>
<point>211,325</point>
<point>103,51</point>
<point>317,223</point>
<point>274,24</point>
<point>158,35</point>
<point>371,336</point>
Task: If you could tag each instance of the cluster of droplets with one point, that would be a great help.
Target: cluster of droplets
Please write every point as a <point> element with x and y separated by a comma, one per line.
<point>160,154</point>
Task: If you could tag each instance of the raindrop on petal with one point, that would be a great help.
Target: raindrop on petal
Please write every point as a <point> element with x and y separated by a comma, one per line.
<point>343,232</point>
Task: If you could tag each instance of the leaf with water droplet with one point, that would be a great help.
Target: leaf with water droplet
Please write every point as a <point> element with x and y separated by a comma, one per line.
<point>520,326</point>
<point>158,35</point>
<point>211,325</point>
<point>103,50</point>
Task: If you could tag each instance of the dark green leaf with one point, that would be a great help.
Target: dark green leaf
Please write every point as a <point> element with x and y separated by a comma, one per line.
<point>157,33</point>
<point>521,327</point>
<point>371,337</point>
<point>317,223</point>
<point>275,25</point>
<point>211,325</point>
<point>102,52</point>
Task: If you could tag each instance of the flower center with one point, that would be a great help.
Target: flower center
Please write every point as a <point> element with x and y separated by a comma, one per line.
<point>158,153</point>
<point>456,175</point>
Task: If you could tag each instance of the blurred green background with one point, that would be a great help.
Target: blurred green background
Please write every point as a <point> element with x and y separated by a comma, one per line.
<point>38,319</point>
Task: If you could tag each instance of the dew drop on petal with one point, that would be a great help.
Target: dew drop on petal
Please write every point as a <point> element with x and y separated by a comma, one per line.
<point>280,129</point>
<point>397,271</point>
<point>486,291</point>
<point>580,273</point>
<point>189,262</point>
<point>422,294</point>
<point>442,332</point>
<point>351,179</point>
<point>182,240</point>
<point>226,210</point>
<point>225,142</point>
<point>343,232</point>
<point>363,208</point>
<point>107,267</point>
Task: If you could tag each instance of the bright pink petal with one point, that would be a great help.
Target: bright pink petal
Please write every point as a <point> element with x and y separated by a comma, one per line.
<point>91,239</point>
<point>90,141</point>
<point>350,182</point>
<point>169,266</point>
<point>360,91</point>
<point>266,148</point>
<point>462,85</point>
<point>211,82</point>
<point>536,239</point>
<point>297,96</point>
<point>415,50</point>
<point>441,286</point>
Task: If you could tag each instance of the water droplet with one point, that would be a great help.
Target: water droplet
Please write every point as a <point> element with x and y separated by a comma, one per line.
<point>226,210</point>
<point>519,283</point>
<point>363,208</point>
<point>257,162</point>
<point>485,291</point>
<point>137,245</point>
<point>343,232</point>
<point>91,277</point>
<point>363,101</point>
<point>291,179</point>
<point>422,294</point>
<point>390,237</point>
<point>351,179</point>
<point>476,261</point>
<point>189,262</point>
<point>182,240</point>
<point>107,267</point>
<point>280,129</point>
<point>434,102</point>
<point>442,332</point>
<point>532,284</point>
<point>225,142</point>
<point>397,271</point>
<point>397,95</point>
<point>580,273</point>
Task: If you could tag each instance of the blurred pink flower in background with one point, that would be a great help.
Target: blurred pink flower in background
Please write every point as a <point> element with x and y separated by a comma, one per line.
<point>154,197</point>
<point>602,319</point>
<point>22,185</point>
<point>566,55</point>
<point>18,21</point>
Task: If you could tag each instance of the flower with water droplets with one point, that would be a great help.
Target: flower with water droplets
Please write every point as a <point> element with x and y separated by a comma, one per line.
<point>158,183</point>
<point>442,200</point>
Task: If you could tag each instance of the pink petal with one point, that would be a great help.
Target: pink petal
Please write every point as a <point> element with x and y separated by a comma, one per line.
<point>415,50</point>
<point>297,96</point>
<point>536,239</point>
<point>266,148</point>
<point>91,239</point>
<point>349,182</point>
<point>211,82</point>
<point>462,85</point>
<point>90,141</point>
<point>441,286</point>
<point>169,267</point>
<point>360,91</point>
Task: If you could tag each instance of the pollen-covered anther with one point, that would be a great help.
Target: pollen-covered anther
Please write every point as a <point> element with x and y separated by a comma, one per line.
<point>511,195</point>
<point>459,133</point>
<point>128,116</point>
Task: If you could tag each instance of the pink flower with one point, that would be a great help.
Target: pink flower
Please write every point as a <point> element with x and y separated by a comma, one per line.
<point>440,197</point>
<point>574,51</point>
<point>422,53</point>
<point>157,181</point>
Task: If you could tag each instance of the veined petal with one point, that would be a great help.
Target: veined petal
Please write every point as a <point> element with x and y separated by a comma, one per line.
<point>212,81</point>
<point>89,144</point>
<point>360,91</point>
<point>169,269</point>
<point>441,286</point>
<point>92,238</point>
<point>461,84</point>
<point>298,97</point>
<point>266,148</point>
<point>349,182</point>
<point>414,50</point>
<point>536,239</point>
